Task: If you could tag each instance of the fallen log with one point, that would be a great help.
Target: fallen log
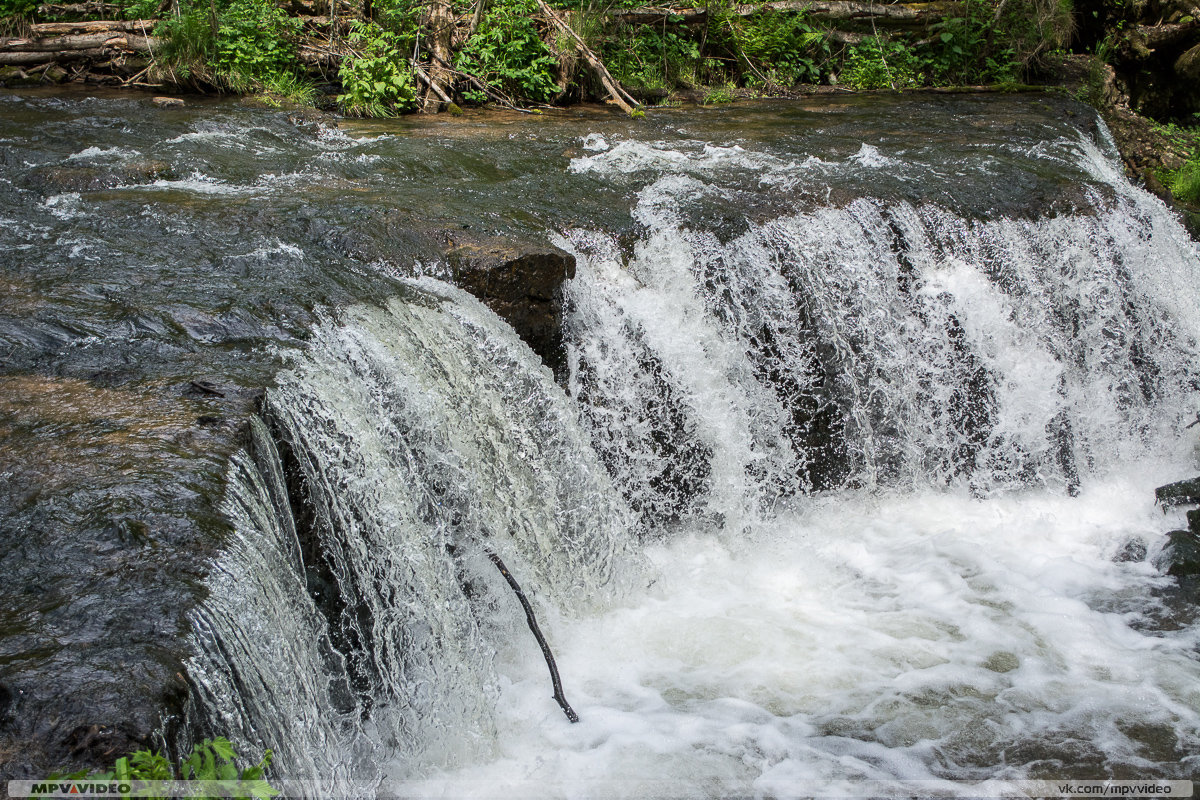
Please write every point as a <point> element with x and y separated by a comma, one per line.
<point>78,9</point>
<point>896,15</point>
<point>88,41</point>
<point>324,58</point>
<point>24,58</point>
<point>142,26</point>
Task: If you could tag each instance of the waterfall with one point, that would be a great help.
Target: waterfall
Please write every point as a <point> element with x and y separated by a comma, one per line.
<point>425,434</point>
<point>834,492</point>
<point>878,343</point>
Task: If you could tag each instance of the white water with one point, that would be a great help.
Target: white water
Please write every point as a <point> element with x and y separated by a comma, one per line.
<point>841,442</point>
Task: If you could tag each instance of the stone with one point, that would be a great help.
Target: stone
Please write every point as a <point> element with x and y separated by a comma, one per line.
<point>521,283</point>
<point>1187,66</point>
<point>56,178</point>
<point>1180,493</point>
<point>167,102</point>
<point>55,74</point>
<point>1134,550</point>
<point>1181,556</point>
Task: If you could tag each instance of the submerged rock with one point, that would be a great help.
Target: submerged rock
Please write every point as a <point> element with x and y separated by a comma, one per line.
<point>56,179</point>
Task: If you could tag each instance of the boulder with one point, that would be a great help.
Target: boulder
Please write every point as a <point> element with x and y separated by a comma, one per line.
<point>1180,493</point>
<point>522,283</point>
<point>1181,556</point>
<point>1187,66</point>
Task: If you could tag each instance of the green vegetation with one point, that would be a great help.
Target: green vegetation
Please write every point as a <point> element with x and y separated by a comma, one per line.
<point>1184,182</point>
<point>508,52</point>
<point>243,46</point>
<point>210,760</point>
<point>883,64</point>
<point>376,48</point>
<point>18,9</point>
<point>781,48</point>
<point>256,42</point>
<point>376,81</point>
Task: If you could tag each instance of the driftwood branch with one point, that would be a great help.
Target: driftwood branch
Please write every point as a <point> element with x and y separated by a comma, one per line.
<point>537,634</point>
<point>429,83</point>
<point>610,84</point>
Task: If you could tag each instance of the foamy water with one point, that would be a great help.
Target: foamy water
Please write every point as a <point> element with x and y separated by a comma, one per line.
<point>863,638</point>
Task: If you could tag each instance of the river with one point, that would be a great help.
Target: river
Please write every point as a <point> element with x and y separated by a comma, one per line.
<point>846,473</point>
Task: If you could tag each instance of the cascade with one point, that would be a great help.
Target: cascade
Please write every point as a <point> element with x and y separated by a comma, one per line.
<point>834,494</point>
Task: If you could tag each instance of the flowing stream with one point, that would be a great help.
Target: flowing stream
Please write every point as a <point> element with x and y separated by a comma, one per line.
<point>850,477</point>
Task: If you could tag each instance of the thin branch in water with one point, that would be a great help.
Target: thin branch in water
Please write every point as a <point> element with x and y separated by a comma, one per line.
<point>537,634</point>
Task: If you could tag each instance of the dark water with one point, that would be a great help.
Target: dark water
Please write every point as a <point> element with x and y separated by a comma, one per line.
<point>159,267</point>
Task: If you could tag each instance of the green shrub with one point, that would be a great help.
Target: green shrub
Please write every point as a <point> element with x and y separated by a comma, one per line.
<point>718,97</point>
<point>188,40</point>
<point>377,81</point>
<point>506,51</point>
<point>997,43</point>
<point>210,760</point>
<point>876,63</point>
<point>968,49</point>
<point>256,40</point>
<point>782,47</point>
<point>23,9</point>
<point>650,58</point>
<point>142,9</point>
<point>1184,183</point>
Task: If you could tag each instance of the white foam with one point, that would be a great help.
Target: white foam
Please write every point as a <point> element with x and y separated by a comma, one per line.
<point>102,154</point>
<point>66,206</point>
<point>595,143</point>
<point>862,638</point>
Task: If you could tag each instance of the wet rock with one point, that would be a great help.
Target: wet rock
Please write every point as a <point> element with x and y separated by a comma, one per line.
<point>14,76</point>
<point>57,179</point>
<point>93,657</point>
<point>1180,493</point>
<point>1134,550</point>
<point>168,102</point>
<point>1181,556</point>
<point>522,283</point>
<point>1187,66</point>
<point>518,276</point>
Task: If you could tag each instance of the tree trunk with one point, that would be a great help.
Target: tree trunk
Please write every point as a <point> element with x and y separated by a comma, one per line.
<point>441,31</point>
